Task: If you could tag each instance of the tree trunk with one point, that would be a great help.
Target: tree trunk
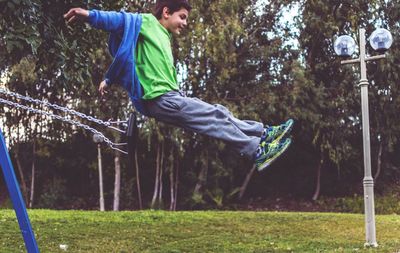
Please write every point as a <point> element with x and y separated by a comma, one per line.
<point>32,195</point>
<point>318,181</point>
<point>101,192</point>
<point>171,182</point>
<point>176,184</point>
<point>202,178</point>
<point>153,201</point>
<point>138,181</point>
<point>171,188</point>
<point>160,185</point>
<point>379,161</point>
<point>22,176</point>
<point>117,182</point>
<point>246,182</point>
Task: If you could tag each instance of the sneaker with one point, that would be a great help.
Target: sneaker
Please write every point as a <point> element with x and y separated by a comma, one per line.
<point>275,133</point>
<point>269,152</point>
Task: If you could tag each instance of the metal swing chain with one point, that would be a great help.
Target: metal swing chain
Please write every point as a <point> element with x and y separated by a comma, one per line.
<point>64,109</point>
<point>70,121</point>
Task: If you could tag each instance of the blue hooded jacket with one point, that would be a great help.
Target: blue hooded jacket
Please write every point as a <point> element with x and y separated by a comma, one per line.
<point>124,31</point>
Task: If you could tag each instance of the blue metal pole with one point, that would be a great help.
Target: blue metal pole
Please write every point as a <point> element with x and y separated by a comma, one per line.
<point>16,197</point>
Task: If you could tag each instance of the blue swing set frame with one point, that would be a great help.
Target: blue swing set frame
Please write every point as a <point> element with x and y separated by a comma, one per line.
<point>16,198</point>
<point>15,192</point>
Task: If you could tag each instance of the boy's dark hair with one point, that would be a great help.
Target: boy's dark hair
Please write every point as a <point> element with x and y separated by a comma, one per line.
<point>172,5</point>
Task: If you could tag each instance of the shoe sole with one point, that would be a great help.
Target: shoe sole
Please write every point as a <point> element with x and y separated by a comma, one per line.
<point>272,159</point>
<point>285,132</point>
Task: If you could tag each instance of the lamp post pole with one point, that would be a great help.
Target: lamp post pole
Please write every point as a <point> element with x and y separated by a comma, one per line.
<point>380,40</point>
<point>368,181</point>
<point>100,177</point>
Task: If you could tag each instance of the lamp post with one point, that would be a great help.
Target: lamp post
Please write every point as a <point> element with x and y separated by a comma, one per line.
<point>98,139</point>
<point>380,40</point>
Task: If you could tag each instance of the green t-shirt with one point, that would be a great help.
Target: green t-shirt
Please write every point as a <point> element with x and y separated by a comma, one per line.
<point>154,61</point>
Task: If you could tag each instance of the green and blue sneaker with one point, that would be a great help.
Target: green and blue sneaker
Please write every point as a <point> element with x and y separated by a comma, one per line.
<point>275,133</point>
<point>269,152</point>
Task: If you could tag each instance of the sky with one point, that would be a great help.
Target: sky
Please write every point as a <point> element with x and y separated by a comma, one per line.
<point>288,14</point>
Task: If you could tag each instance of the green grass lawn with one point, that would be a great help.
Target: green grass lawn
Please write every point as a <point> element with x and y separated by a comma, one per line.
<point>208,231</point>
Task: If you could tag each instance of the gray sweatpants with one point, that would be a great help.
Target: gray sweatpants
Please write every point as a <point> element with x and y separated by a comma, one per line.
<point>212,120</point>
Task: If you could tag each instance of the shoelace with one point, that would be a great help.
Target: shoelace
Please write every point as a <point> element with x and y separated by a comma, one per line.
<point>262,148</point>
<point>269,129</point>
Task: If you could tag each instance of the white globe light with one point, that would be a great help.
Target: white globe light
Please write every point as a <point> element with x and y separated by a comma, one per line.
<point>97,138</point>
<point>344,46</point>
<point>381,40</point>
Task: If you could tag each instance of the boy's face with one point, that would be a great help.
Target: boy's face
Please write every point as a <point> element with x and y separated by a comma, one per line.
<point>176,21</point>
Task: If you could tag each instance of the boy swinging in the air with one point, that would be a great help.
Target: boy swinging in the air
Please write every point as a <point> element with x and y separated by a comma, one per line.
<point>143,64</point>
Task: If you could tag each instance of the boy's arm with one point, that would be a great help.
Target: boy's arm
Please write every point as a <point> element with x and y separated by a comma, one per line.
<point>106,20</point>
<point>110,21</point>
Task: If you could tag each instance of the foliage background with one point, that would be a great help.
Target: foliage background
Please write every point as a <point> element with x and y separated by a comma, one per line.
<point>238,53</point>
